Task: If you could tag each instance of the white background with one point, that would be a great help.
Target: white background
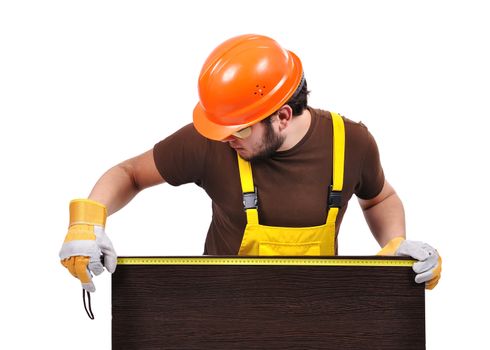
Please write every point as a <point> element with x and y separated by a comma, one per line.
<point>85,85</point>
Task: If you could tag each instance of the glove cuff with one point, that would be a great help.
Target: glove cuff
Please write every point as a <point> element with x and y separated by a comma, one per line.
<point>87,211</point>
<point>391,247</point>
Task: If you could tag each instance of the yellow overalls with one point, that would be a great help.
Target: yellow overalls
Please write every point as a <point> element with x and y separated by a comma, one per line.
<point>272,240</point>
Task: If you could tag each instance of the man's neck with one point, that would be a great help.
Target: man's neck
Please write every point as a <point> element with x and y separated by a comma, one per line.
<point>297,129</point>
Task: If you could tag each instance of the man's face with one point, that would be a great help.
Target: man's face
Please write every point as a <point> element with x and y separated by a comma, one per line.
<point>262,143</point>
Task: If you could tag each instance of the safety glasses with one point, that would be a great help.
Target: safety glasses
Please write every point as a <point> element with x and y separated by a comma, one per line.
<point>243,133</point>
<point>246,132</point>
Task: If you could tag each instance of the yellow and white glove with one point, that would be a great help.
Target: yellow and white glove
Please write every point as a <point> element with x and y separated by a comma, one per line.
<point>428,267</point>
<point>86,242</point>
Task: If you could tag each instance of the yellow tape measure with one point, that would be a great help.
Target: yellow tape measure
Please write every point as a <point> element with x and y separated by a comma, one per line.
<point>263,261</point>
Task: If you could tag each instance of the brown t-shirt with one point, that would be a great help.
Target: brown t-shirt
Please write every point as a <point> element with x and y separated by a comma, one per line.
<point>292,185</point>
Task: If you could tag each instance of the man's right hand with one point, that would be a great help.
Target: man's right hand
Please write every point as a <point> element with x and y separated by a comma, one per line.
<point>86,242</point>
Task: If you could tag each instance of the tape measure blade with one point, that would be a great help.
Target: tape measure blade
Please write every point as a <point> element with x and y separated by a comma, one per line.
<point>285,261</point>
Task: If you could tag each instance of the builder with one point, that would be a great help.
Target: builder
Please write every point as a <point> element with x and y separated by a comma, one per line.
<point>279,172</point>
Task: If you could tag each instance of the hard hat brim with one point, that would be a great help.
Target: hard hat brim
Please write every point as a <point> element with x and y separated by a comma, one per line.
<point>211,130</point>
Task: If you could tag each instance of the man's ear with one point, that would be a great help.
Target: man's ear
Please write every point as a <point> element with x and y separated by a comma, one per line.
<point>284,115</point>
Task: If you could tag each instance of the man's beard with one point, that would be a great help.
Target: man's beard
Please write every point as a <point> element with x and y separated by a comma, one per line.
<point>271,142</point>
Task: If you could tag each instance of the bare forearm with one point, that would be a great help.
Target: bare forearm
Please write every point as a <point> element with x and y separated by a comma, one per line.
<point>121,183</point>
<point>385,215</point>
<point>114,189</point>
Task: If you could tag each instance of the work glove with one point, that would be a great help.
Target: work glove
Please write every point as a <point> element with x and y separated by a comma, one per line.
<point>428,267</point>
<point>86,248</point>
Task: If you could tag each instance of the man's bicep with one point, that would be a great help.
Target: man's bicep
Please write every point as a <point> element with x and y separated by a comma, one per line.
<point>144,171</point>
<point>385,192</point>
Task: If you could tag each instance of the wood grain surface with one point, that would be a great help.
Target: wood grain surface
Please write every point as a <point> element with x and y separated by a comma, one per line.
<point>266,307</point>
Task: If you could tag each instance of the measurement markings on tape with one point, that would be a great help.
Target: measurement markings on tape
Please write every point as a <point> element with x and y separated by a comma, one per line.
<point>264,261</point>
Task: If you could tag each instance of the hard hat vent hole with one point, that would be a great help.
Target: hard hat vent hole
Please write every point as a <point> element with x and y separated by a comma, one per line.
<point>259,90</point>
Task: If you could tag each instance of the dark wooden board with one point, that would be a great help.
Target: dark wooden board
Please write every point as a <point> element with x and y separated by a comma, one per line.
<point>266,307</point>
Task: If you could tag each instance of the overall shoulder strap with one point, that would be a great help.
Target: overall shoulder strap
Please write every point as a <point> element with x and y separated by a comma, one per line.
<point>250,199</point>
<point>335,191</point>
<point>338,152</point>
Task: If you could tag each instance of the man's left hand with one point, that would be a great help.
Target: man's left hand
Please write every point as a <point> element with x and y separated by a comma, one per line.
<point>428,267</point>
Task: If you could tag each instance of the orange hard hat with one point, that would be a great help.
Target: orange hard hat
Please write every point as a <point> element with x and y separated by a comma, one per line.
<point>244,80</point>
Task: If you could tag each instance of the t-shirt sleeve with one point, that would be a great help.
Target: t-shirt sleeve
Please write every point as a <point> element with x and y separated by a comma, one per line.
<point>372,176</point>
<point>181,156</point>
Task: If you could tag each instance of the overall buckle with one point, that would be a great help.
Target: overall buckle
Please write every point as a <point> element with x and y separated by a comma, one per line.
<point>334,198</point>
<point>250,200</point>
